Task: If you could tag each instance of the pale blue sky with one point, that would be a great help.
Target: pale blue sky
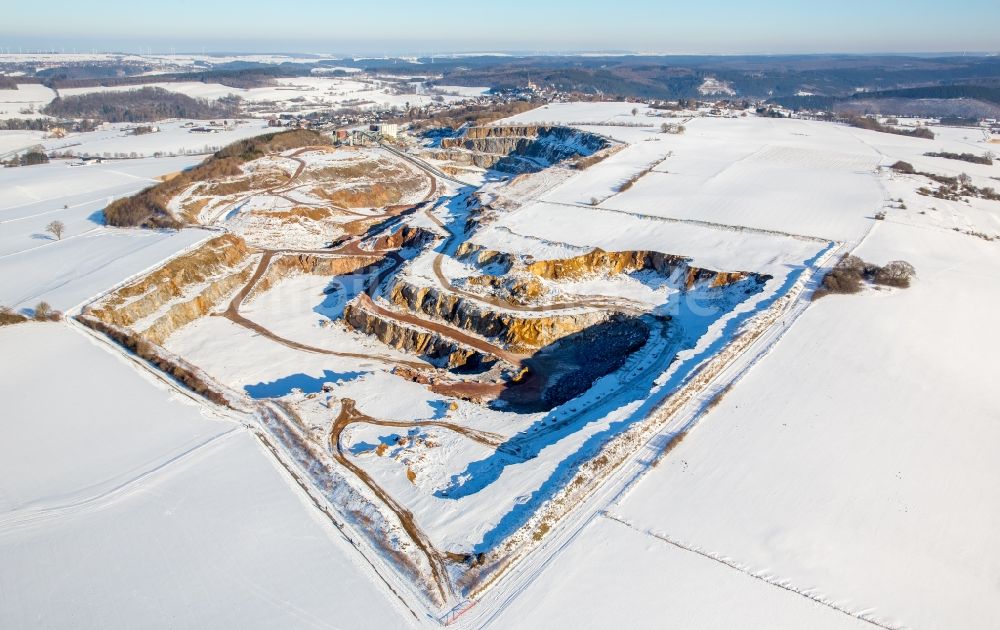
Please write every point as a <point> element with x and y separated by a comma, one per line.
<point>396,26</point>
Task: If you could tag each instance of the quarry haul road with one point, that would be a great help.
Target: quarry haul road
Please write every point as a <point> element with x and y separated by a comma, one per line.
<point>273,190</point>
<point>232,313</point>
<point>425,166</point>
<point>347,250</point>
<point>350,415</point>
<point>445,283</point>
<point>282,190</point>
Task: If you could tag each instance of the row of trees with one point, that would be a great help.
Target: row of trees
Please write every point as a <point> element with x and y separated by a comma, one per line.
<point>986,158</point>
<point>46,124</point>
<point>863,122</point>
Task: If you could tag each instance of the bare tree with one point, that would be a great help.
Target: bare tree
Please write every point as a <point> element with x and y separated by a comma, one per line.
<point>56,229</point>
<point>42,311</point>
<point>635,110</point>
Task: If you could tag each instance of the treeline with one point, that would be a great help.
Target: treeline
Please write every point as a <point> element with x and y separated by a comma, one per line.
<point>863,122</point>
<point>622,79</point>
<point>8,83</point>
<point>148,208</point>
<point>45,124</point>
<point>27,124</point>
<point>143,105</point>
<point>42,312</point>
<point>986,159</point>
<point>30,158</point>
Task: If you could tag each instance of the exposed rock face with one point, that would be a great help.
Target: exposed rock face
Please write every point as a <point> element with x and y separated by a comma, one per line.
<point>220,265</point>
<point>406,236</point>
<point>523,282</point>
<point>200,305</point>
<point>313,264</point>
<point>519,149</point>
<point>600,262</point>
<point>567,368</point>
<point>516,289</point>
<point>482,257</point>
<point>416,341</point>
<point>518,333</point>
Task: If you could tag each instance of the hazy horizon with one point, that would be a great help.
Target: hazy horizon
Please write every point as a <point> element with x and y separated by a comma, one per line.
<point>164,50</point>
<point>395,28</point>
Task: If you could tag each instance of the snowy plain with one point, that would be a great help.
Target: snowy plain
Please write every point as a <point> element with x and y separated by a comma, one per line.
<point>25,101</point>
<point>614,577</point>
<point>145,510</point>
<point>90,258</point>
<point>173,138</point>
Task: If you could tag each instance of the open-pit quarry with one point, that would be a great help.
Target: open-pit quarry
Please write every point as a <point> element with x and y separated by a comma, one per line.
<point>449,388</point>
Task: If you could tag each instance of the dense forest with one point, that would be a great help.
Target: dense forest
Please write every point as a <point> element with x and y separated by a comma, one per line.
<point>143,105</point>
<point>148,208</point>
<point>237,74</point>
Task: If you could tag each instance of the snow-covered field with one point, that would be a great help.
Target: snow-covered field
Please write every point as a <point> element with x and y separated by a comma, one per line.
<point>15,141</point>
<point>25,101</point>
<point>89,258</point>
<point>173,138</point>
<point>612,576</point>
<point>141,509</point>
<point>736,172</point>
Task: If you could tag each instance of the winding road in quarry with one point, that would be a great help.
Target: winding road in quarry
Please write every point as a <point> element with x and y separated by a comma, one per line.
<point>582,303</point>
<point>232,313</point>
<point>349,415</point>
<point>349,249</point>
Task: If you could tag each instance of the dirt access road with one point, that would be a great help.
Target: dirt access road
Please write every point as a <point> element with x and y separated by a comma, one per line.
<point>349,415</point>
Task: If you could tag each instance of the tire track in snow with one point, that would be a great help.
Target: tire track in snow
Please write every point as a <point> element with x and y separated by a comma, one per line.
<point>25,517</point>
<point>725,561</point>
